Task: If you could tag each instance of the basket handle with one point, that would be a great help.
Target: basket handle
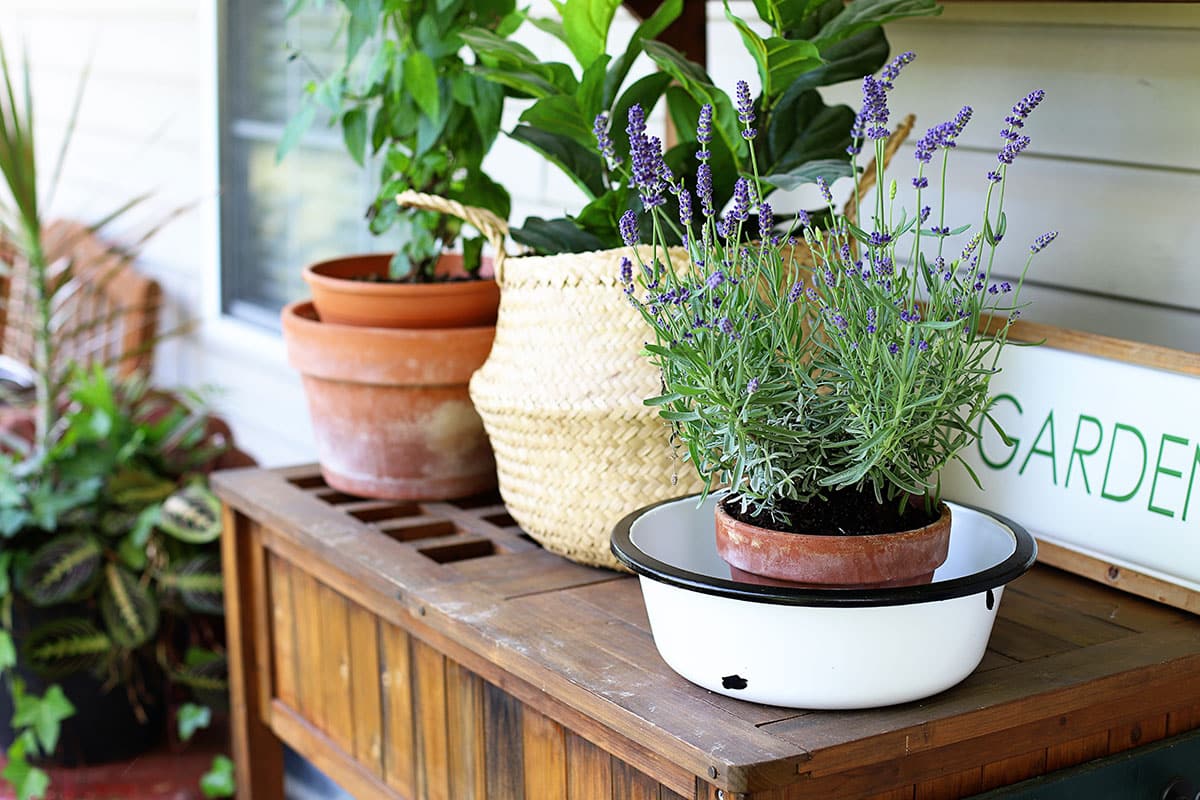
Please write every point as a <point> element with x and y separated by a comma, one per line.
<point>867,180</point>
<point>486,222</point>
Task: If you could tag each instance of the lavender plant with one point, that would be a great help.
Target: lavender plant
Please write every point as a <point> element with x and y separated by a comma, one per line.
<point>866,370</point>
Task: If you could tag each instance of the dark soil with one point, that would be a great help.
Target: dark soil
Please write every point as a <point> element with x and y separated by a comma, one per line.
<point>377,277</point>
<point>847,512</point>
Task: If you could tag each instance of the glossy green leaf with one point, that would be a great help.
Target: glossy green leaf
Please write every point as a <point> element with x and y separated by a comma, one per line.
<point>65,647</point>
<point>860,15</point>
<point>650,28</point>
<point>586,24</point>
<point>803,129</point>
<point>129,610</point>
<point>846,60</point>
<point>364,21</point>
<point>561,115</point>
<point>420,79</point>
<point>555,236</point>
<point>581,164</point>
<point>779,61</point>
<point>697,83</point>
<point>354,133</point>
<point>61,569</point>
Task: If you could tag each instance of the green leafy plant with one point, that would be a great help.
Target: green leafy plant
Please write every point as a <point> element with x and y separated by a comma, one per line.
<point>812,43</point>
<point>83,488</point>
<point>867,372</point>
<point>404,97</point>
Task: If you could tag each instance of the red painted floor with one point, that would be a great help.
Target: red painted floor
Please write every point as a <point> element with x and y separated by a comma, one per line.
<point>157,775</point>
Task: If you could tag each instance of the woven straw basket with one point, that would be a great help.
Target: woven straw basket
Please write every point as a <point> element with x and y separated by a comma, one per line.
<point>561,395</point>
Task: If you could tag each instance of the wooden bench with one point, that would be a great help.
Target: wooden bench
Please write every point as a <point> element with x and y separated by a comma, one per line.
<point>431,650</point>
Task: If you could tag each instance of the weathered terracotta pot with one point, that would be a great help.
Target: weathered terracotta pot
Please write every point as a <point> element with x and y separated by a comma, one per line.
<point>389,406</point>
<point>343,300</point>
<point>884,559</point>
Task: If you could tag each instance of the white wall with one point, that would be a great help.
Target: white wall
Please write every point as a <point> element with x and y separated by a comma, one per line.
<point>1115,163</point>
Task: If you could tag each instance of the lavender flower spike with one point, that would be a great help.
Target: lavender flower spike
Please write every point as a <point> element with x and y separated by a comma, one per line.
<point>1041,242</point>
<point>604,142</point>
<point>745,108</point>
<point>741,200</point>
<point>685,206</point>
<point>628,226</point>
<point>766,221</point>
<point>704,131</point>
<point>649,174</point>
<point>704,189</point>
<point>824,187</point>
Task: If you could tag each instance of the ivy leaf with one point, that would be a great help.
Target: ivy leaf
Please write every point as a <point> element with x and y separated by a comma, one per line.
<point>218,781</point>
<point>586,24</point>
<point>192,717</point>
<point>43,715</point>
<point>27,781</point>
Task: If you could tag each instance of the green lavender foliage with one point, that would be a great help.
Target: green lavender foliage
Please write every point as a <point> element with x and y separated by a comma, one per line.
<point>866,368</point>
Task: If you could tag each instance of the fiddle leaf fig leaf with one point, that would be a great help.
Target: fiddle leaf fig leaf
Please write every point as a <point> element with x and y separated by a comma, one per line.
<point>699,85</point>
<point>582,165</point>
<point>780,61</point>
<point>860,15</point>
<point>649,29</point>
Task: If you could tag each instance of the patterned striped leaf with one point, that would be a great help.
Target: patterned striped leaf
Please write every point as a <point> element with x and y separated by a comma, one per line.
<point>192,514</point>
<point>208,680</point>
<point>198,583</point>
<point>129,610</point>
<point>66,646</point>
<point>61,570</point>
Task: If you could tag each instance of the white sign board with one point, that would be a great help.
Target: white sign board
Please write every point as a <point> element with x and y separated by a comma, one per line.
<point>1104,464</point>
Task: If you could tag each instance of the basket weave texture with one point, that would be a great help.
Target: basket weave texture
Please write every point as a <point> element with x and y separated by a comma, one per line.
<point>561,399</point>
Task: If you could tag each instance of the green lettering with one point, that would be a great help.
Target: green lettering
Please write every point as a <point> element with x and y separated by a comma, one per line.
<point>1112,447</point>
<point>1159,469</point>
<point>1191,480</point>
<point>1077,450</point>
<point>1015,443</point>
<point>1049,423</point>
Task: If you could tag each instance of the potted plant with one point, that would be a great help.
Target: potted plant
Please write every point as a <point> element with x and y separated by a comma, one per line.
<point>390,339</point>
<point>564,327</point>
<point>827,397</point>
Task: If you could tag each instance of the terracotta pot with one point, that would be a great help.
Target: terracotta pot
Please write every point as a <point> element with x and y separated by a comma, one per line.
<point>341,299</point>
<point>389,406</point>
<point>884,559</point>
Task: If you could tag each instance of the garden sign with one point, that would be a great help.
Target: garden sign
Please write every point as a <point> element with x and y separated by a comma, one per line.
<point>1103,459</point>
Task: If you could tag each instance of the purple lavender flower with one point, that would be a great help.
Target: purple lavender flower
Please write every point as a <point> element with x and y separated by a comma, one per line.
<point>725,325</point>
<point>1011,149</point>
<point>922,345</point>
<point>604,142</point>
<point>802,218</point>
<point>704,189</point>
<point>741,200</point>
<point>812,295</point>
<point>704,131</point>
<point>993,176</point>
<point>766,221</point>
<point>994,289</point>
<point>942,136</point>
<point>685,207</point>
<point>824,187</point>
<point>839,322</point>
<point>893,348</point>
<point>879,238</point>
<point>925,212</point>
<point>920,182</point>
<point>1005,287</point>
<point>752,386</point>
<point>892,70</point>
<point>871,319</point>
<point>715,279</point>
<point>745,105</point>
<point>649,174</point>
<point>795,292</point>
<point>626,270</point>
<point>628,227</point>
<point>1041,242</point>
<point>1025,107</point>
<point>940,230</point>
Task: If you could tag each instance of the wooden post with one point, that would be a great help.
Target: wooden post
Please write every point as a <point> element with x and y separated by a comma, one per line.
<point>257,754</point>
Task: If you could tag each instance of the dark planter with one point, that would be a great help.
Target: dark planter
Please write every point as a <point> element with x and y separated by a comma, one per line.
<point>105,726</point>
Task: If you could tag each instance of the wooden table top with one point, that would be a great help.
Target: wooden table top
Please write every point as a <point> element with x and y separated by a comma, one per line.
<point>1068,658</point>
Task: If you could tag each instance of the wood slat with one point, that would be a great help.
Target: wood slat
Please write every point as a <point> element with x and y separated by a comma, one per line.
<point>1135,734</point>
<point>399,738</point>
<point>283,630</point>
<point>429,693</point>
<point>1065,624</point>
<point>517,574</point>
<point>631,784</point>
<point>325,754</point>
<point>950,787</point>
<point>505,758</point>
<point>465,733</point>
<point>260,608</point>
<point>364,688</point>
<point>589,770</point>
<point>543,746</point>
<point>1077,751</point>
<point>1065,591</point>
<point>334,669</point>
<point>1013,769</point>
<point>1181,720</point>
<point>902,793</point>
<point>1023,643</point>
<point>309,680</point>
